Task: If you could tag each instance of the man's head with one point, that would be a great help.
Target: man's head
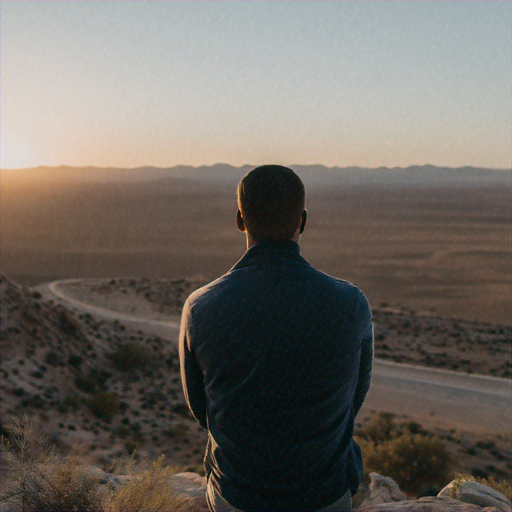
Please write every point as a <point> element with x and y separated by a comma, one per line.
<point>271,202</point>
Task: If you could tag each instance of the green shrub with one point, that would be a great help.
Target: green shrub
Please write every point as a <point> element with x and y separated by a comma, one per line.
<point>70,402</point>
<point>52,358</point>
<point>416,462</point>
<point>414,458</point>
<point>380,428</point>
<point>68,324</point>
<point>75,361</point>
<point>104,404</point>
<point>94,381</point>
<point>132,356</point>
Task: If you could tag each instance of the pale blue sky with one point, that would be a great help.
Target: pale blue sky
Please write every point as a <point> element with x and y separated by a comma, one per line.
<point>369,83</point>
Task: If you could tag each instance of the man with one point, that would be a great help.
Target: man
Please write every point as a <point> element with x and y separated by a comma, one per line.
<point>276,361</point>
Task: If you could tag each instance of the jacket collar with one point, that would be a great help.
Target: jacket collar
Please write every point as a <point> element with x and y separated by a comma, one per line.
<point>274,251</point>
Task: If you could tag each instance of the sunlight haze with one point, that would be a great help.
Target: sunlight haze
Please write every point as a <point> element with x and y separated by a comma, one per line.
<point>127,84</point>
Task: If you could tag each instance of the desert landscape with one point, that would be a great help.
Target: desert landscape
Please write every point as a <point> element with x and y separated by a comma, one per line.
<point>428,239</point>
<point>434,261</point>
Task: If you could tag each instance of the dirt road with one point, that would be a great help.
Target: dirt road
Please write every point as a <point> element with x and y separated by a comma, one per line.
<point>443,398</point>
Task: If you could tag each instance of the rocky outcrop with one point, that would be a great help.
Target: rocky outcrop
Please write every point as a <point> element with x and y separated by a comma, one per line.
<point>427,504</point>
<point>189,485</point>
<point>382,489</point>
<point>193,486</point>
<point>477,494</point>
<point>385,496</point>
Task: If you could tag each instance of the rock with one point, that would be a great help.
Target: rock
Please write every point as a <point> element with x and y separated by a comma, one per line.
<point>193,486</point>
<point>102,476</point>
<point>383,489</point>
<point>117,480</point>
<point>478,494</point>
<point>446,492</point>
<point>483,496</point>
<point>189,485</point>
<point>427,504</point>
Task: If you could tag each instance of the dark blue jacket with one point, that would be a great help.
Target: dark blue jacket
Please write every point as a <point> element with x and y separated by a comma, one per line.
<point>276,360</point>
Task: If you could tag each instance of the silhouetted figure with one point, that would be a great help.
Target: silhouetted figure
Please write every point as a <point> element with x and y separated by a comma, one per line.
<point>276,361</point>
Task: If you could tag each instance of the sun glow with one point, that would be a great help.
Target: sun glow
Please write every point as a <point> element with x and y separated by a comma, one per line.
<point>15,152</point>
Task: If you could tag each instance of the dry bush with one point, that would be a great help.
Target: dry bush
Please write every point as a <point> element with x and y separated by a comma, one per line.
<point>104,404</point>
<point>132,356</point>
<point>503,486</point>
<point>149,491</point>
<point>38,480</point>
<point>415,459</point>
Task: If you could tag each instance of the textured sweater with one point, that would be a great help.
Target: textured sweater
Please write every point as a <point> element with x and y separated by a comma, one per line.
<point>276,360</point>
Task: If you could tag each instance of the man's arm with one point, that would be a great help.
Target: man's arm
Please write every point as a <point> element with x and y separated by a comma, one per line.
<point>366,360</point>
<point>191,375</point>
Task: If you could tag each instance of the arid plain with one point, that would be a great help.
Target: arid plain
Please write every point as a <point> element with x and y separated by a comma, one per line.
<point>427,244</point>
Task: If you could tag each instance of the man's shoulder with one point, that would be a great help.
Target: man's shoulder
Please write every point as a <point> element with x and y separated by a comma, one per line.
<point>327,285</point>
<point>207,293</point>
<point>338,283</point>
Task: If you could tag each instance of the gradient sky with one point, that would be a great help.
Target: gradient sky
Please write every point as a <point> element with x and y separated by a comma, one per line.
<point>368,83</point>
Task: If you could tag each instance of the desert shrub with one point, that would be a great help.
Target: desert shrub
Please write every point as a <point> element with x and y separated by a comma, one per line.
<point>52,358</point>
<point>380,428</point>
<point>503,486</point>
<point>132,356</point>
<point>94,381</point>
<point>38,479</point>
<point>70,402</point>
<point>36,401</point>
<point>104,404</point>
<point>416,462</point>
<point>18,392</point>
<point>68,324</point>
<point>75,361</point>
<point>415,459</point>
<point>149,491</point>
<point>181,409</point>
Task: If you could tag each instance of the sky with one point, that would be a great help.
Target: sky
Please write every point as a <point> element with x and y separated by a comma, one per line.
<point>339,83</point>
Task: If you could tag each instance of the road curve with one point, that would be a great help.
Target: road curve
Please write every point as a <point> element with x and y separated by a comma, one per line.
<point>449,399</point>
<point>53,291</point>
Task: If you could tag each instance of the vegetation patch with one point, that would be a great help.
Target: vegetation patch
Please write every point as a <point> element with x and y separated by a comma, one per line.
<point>417,460</point>
<point>132,356</point>
<point>104,404</point>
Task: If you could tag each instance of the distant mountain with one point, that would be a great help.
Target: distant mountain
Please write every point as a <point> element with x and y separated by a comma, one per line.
<point>224,174</point>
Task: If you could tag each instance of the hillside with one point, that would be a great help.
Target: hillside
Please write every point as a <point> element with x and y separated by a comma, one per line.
<point>118,391</point>
<point>96,382</point>
<point>401,335</point>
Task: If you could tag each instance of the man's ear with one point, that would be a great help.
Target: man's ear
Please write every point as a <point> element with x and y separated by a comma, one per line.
<point>240,221</point>
<point>303,221</point>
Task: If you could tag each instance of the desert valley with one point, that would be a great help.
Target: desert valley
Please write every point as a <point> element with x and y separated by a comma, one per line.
<point>432,255</point>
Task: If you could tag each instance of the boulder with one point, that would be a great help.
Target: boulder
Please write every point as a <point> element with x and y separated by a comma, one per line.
<point>383,489</point>
<point>483,496</point>
<point>478,494</point>
<point>427,504</point>
<point>193,486</point>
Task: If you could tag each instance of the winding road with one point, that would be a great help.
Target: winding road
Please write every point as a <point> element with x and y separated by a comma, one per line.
<point>448,399</point>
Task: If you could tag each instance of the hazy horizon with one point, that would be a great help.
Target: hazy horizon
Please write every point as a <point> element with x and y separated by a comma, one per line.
<point>226,164</point>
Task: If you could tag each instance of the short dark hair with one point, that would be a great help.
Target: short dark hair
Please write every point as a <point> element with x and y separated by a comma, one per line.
<point>271,199</point>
